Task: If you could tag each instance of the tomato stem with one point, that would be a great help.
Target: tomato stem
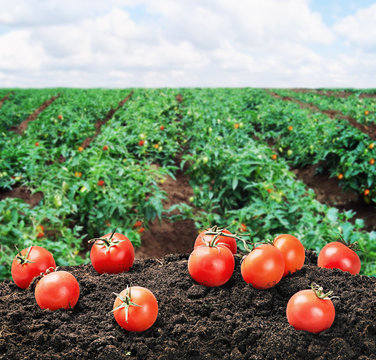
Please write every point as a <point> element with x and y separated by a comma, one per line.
<point>126,302</point>
<point>219,232</point>
<point>319,291</point>
<point>23,259</point>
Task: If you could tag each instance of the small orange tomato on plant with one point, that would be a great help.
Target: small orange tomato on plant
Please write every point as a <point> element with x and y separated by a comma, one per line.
<point>371,146</point>
<point>100,182</point>
<point>156,146</point>
<point>290,128</point>
<point>141,230</point>
<point>243,227</point>
<point>105,148</point>
<point>141,143</point>
<point>372,161</point>
<point>236,126</point>
<point>161,127</point>
<point>77,174</point>
<point>340,176</point>
<point>80,149</point>
<point>60,117</point>
<point>37,143</point>
<point>138,223</point>
<point>274,157</point>
<point>366,192</point>
<point>366,112</point>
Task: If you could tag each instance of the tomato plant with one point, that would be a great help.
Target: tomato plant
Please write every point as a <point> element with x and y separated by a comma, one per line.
<point>263,267</point>
<point>338,255</point>
<point>57,290</point>
<point>135,308</point>
<point>29,263</point>
<point>211,264</point>
<point>311,310</point>
<point>292,250</point>
<point>207,236</point>
<point>112,253</point>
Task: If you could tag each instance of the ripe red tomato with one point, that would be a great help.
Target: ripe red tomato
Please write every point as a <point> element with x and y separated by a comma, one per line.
<point>292,250</point>
<point>211,265</point>
<point>60,117</point>
<point>30,263</point>
<point>229,242</point>
<point>100,182</point>
<point>57,290</point>
<point>161,127</point>
<point>105,147</point>
<point>263,267</point>
<point>307,311</point>
<point>112,253</point>
<point>135,308</point>
<point>37,143</point>
<point>141,142</point>
<point>339,256</point>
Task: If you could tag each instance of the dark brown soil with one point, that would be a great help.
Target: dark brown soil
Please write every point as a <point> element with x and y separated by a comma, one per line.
<point>20,129</point>
<point>234,321</point>
<point>328,191</point>
<point>22,193</point>
<point>166,237</point>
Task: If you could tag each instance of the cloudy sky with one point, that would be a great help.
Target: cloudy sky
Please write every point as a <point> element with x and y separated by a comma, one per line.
<point>216,43</point>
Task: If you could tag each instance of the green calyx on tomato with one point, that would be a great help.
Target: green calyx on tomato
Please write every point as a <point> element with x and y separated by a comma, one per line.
<point>319,292</point>
<point>126,302</point>
<point>23,259</point>
<point>108,243</point>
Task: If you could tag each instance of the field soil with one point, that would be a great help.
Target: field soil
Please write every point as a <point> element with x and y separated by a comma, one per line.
<point>234,321</point>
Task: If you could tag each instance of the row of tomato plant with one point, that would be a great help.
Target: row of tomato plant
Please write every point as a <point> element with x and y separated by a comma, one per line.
<point>304,137</point>
<point>112,182</point>
<point>362,109</point>
<point>237,179</point>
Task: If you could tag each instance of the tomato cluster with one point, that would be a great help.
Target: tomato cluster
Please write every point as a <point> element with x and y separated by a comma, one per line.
<point>211,263</point>
<point>135,308</point>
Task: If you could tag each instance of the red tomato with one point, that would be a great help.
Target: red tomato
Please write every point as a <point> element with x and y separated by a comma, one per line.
<point>263,267</point>
<point>307,311</point>
<point>141,142</point>
<point>105,147</point>
<point>60,117</point>
<point>37,143</point>
<point>100,182</point>
<point>57,290</point>
<point>31,262</point>
<point>211,265</point>
<point>229,242</point>
<point>339,256</point>
<point>161,127</point>
<point>135,308</point>
<point>112,254</point>
<point>293,252</point>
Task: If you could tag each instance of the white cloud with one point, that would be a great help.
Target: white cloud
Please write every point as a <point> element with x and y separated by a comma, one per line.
<point>180,43</point>
<point>359,30</point>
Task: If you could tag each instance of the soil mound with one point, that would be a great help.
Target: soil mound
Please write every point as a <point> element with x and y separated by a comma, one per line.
<point>234,321</point>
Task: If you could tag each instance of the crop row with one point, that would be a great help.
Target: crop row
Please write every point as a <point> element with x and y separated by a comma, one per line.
<point>304,137</point>
<point>113,183</point>
<point>362,109</point>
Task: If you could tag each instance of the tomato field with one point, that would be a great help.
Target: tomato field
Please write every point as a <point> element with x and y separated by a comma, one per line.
<point>162,166</point>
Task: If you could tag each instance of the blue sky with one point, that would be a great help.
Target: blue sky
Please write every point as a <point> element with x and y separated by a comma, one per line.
<point>216,43</point>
